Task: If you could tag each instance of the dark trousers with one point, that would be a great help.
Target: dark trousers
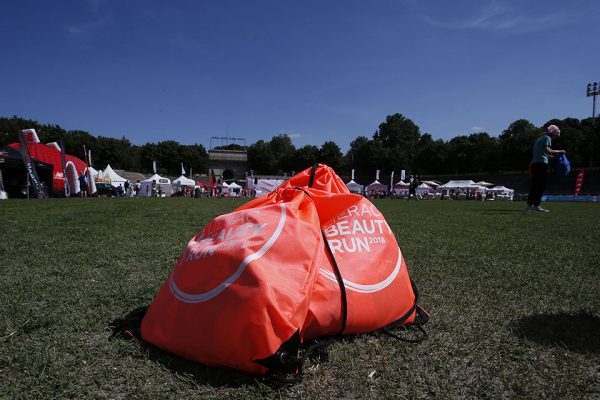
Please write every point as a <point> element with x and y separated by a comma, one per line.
<point>539,176</point>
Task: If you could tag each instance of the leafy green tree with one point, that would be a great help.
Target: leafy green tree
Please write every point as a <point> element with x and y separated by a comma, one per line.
<point>305,157</point>
<point>400,137</point>
<point>331,155</point>
<point>431,156</point>
<point>261,158</point>
<point>516,144</point>
<point>283,151</point>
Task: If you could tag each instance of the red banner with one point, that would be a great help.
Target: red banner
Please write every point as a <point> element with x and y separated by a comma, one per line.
<point>579,182</point>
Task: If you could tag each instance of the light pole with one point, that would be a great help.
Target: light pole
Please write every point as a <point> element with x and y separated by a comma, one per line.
<point>593,89</point>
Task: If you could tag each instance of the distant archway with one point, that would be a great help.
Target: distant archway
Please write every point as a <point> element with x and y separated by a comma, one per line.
<point>227,174</point>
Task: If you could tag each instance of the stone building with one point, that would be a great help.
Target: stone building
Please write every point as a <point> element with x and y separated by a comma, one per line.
<point>231,163</point>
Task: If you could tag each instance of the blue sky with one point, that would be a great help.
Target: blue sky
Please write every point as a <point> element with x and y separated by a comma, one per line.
<point>316,70</point>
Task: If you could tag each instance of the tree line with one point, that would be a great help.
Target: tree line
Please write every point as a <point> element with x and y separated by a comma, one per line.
<point>396,145</point>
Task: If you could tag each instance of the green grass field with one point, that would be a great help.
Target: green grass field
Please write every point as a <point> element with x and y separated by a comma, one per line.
<point>514,298</point>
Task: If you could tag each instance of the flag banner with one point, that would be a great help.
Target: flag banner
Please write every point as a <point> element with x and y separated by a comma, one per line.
<point>154,166</point>
<point>392,181</point>
<point>377,175</point>
<point>64,168</point>
<point>352,174</point>
<point>182,169</point>
<point>38,188</point>
<point>579,182</point>
<point>90,157</point>
<point>402,175</point>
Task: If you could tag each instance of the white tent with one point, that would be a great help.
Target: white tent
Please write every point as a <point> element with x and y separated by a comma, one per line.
<point>484,183</point>
<point>455,185</point>
<point>158,182</point>
<point>233,189</point>
<point>263,186</point>
<point>183,181</point>
<point>376,185</point>
<point>110,176</point>
<point>423,189</point>
<point>354,187</point>
<point>433,184</point>
<point>401,188</point>
<point>501,189</point>
<point>502,192</point>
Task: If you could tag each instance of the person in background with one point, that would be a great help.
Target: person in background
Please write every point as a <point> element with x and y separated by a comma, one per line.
<point>538,169</point>
<point>412,188</point>
<point>83,185</point>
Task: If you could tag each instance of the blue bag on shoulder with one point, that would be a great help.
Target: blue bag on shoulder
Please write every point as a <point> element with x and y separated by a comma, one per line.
<point>562,165</point>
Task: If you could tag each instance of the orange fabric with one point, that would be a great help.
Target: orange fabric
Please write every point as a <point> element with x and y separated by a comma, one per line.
<point>253,278</point>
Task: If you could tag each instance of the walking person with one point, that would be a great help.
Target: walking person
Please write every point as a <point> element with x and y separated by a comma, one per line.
<point>542,150</point>
<point>412,188</point>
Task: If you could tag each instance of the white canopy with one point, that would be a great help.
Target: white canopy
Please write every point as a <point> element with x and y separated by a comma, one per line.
<point>401,184</point>
<point>354,187</point>
<point>432,183</point>
<point>233,189</point>
<point>108,175</point>
<point>501,189</point>
<point>457,184</point>
<point>183,181</point>
<point>376,185</point>
<point>164,184</point>
<point>484,183</point>
<point>263,186</point>
<point>158,179</point>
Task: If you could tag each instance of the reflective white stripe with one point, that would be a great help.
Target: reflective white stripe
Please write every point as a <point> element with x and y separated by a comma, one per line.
<point>199,298</point>
<point>357,287</point>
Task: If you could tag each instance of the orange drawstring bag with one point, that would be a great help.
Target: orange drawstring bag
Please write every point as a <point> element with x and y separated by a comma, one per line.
<point>308,260</point>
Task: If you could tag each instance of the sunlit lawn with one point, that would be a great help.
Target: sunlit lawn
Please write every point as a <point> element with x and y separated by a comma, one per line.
<point>514,299</point>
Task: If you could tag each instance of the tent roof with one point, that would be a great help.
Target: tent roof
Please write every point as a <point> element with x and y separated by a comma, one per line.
<point>423,186</point>
<point>401,184</point>
<point>182,180</point>
<point>157,178</point>
<point>112,175</point>
<point>352,183</point>
<point>376,184</point>
<point>234,185</point>
<point>501,189</point>
<point>431,183</point>
<point>457,184</point>
<point>484,183</point>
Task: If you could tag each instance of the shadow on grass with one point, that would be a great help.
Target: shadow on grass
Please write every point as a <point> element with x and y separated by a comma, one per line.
<point>576,332</point>
<point>129,327</point>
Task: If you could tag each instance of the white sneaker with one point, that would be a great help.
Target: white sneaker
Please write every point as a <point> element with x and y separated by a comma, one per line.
<point>538,208</point>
